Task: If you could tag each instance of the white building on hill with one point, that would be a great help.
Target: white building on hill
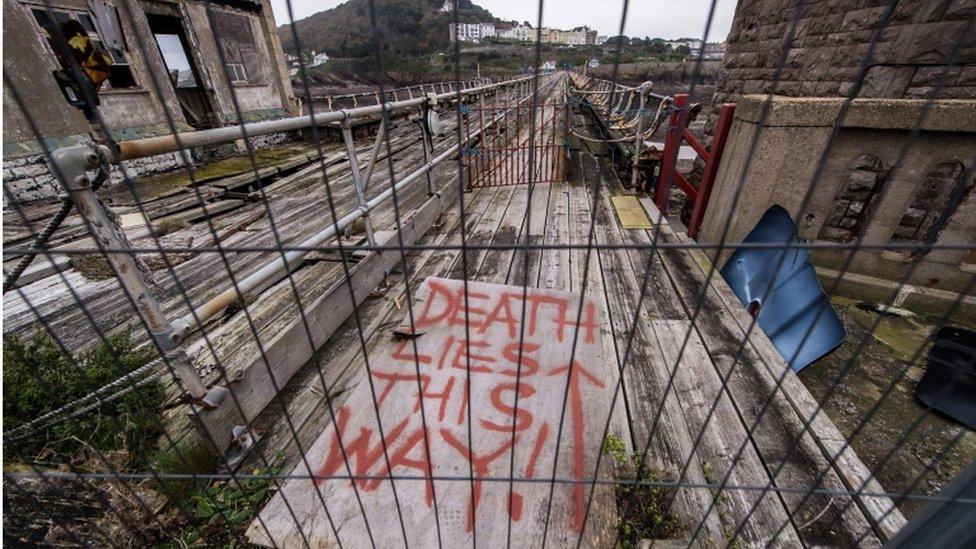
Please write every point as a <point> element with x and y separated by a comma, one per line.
<point>471,32</point>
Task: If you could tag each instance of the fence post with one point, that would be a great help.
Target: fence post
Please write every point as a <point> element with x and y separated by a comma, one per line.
<point>721,135</point>
<point>71,164</point>
<point>669,160</point>
<point>357,179</point>
<point>639,137</point>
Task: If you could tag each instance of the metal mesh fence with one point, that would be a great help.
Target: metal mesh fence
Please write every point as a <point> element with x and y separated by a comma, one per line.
<point>455,315</point>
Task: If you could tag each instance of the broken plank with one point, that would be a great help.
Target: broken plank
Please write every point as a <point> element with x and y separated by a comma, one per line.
<point>289,350</point>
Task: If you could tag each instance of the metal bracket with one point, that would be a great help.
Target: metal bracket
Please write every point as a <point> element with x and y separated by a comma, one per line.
<point>243,442</point>
<point>214,397</point>
<point>170,338</point>
<point>73,163</point>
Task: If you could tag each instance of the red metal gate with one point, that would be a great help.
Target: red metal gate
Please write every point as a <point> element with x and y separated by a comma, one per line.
<point>678,132</point>
<point>518,148</point>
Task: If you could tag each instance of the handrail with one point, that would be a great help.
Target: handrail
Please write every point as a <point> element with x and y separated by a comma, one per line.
<point>201,314</point>
<point>151,146</point>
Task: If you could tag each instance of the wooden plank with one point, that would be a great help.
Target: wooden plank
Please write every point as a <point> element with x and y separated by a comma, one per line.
<point>40,268</point>
<point>630,212</point>
<point>289,350</point>
<point>341,358</point>
<point>644,379</point>
<point>845,465</point>
<point>698,388</point>
<point>751,384</point>
<point>439,315</point>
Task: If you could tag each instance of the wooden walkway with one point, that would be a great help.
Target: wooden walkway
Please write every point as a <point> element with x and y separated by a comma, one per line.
<point>689,443</point>
<point>685,438</point>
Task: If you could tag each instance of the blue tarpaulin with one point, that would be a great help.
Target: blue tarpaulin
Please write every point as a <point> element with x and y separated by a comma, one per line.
<point>780,286</point>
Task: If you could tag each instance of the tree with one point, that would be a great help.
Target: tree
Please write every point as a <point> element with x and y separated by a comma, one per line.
<point>658,46</point>
<point>683,50</point>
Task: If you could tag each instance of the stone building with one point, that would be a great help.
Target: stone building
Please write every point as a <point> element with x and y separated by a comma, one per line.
<point>895,164</point>
<point>831,40</point>
<point>177,40</point>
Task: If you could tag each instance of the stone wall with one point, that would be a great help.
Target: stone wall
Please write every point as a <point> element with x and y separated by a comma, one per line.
<point>28,178</point>
<point>832,39</point>
<point>886,175</point>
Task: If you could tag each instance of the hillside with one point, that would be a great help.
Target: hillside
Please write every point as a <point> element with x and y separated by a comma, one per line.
<point>407,27</point>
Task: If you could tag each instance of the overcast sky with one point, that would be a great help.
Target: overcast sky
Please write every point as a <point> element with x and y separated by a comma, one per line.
<point>652,18</point>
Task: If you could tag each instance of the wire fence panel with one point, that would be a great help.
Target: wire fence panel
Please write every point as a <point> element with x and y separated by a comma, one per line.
<point>247,311</point>
<point>502,157</point>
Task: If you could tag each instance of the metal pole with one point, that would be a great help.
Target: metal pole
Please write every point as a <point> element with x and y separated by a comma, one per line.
<point>151,146</point>
<point>275,267</point>
<point>669,160</point>
<point>639,137</point>
<point>722,127</point>
<point>71,165</point>
<point>380,133</point>
<point>357,180</point>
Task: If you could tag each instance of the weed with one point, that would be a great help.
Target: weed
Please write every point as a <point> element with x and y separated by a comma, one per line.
<point>170,225</point>
<point>92,266</point>
<point>614,446</point>
<point>218,512</point>
<point>38,378</point>
<point>643,510</point>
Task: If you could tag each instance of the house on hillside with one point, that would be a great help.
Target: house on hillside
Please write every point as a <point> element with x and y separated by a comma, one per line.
<point>176,42</point>
<point>693,44</point>
<point>714,51</point>
<point>516,33</point>
<point>318,59</point>
<point>471,32</point>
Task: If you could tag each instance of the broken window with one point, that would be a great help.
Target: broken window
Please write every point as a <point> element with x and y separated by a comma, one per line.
<point>935,199</point>
<point>176,61</point>
<point>864,179</point>
<point>50,20</point>
<point>236,39</point>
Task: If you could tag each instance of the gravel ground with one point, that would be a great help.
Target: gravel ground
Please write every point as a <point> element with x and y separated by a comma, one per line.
<point>889,352</point>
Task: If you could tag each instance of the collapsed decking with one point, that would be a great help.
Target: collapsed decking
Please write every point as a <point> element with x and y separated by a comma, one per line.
<point>720,363</point>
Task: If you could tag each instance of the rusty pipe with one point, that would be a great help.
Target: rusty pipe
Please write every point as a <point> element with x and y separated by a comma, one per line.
<point>150,146</point>
<point>279,265</point>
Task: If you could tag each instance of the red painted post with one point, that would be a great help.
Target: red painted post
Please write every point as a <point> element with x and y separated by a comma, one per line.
<point>669,161</point>
<point>719,138</point>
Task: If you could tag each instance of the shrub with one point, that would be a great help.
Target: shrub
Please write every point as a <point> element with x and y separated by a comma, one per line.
<point>38,378</point>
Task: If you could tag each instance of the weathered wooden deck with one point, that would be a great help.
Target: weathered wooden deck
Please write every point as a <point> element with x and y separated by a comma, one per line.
<point>686,437</point>
<point>689,443</point>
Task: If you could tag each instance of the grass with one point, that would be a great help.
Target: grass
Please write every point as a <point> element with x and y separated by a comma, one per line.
<point>38,378</point>
<point>643,510</point>
<point>212,512</point>
<point>93,266</point>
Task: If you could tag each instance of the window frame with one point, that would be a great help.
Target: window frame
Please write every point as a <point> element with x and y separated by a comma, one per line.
<point>87,20</point>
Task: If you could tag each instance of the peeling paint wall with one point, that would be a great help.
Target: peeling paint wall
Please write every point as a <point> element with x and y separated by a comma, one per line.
<point>137,111</point>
